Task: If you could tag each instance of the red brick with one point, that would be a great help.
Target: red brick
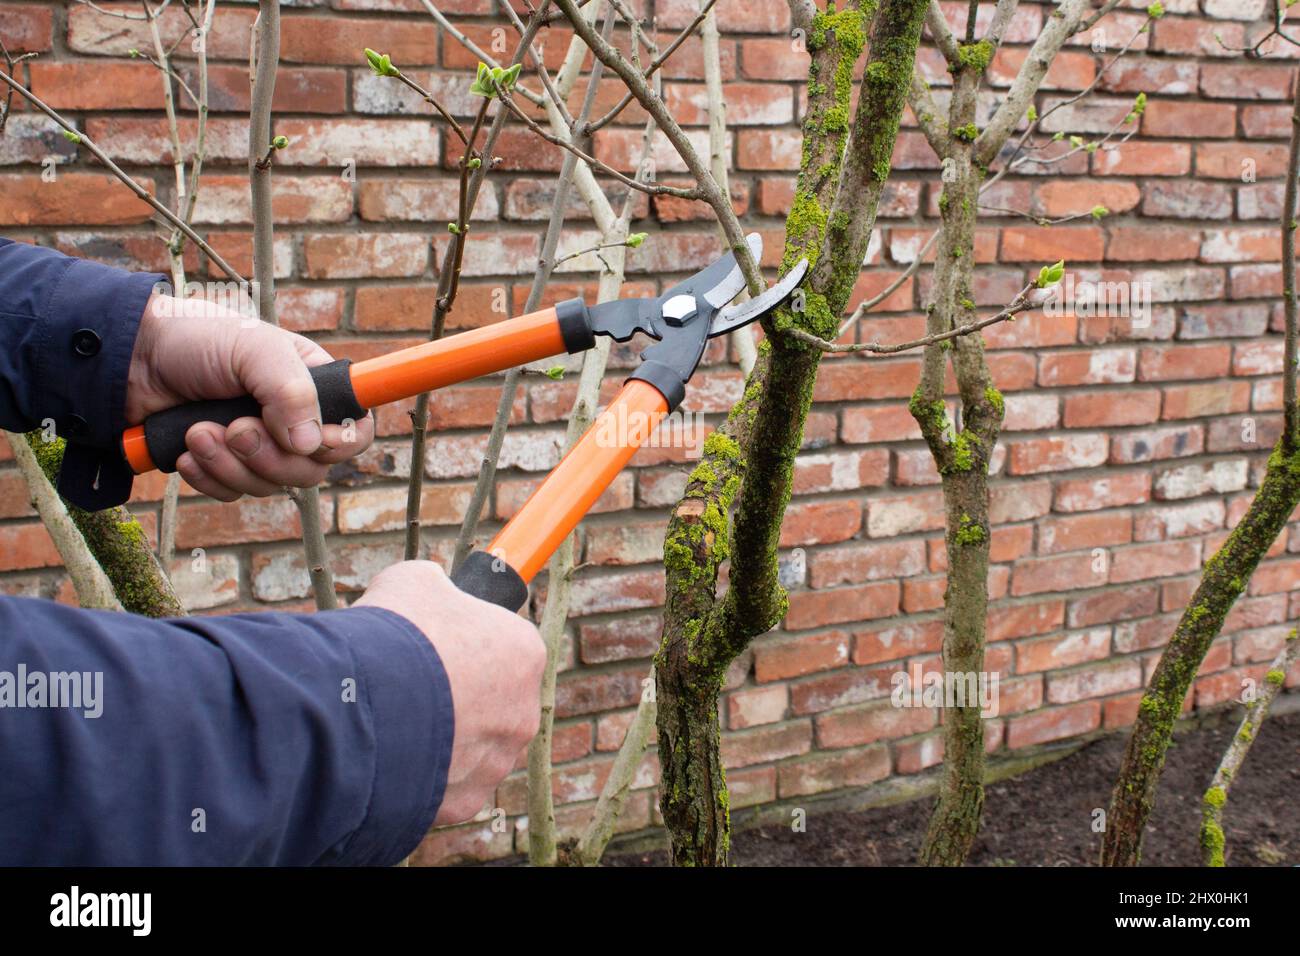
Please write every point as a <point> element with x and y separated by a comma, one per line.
<point>1274,576</point>
<point>592,692</point>
<point>821,772</point>
<point>1197,37</point>
<point>1110,491</point>
<point>1235,160</point>
<point>351,255</point>
<point>1097,680</point>
<point>766,744</point>
<point>819,608</point>
<point>1139,158</point>
<point>767,150</point>
<point>820,522</point>
<point>1024,619</point>
<point>1047,244</point>
<point>213,524</point>
<point>1046,725</point>
<point>1067,572</point>
<point>856,563</point>
<point>754,706</point>
<point>1121,604</point>
<point>1093,367</point>
<point>738,16</point>
<point>879,720</point>
<point>625,543</point>
<point>1106,409</point>
<point>1039,455</point>
<point>1236,81</point>
<point>1084,532</point>
<point>1152,243</point>
<point>1178,118</point>
<point>1209,398</point>
<point>1168,441</point>
<point>628,637</point>
<point>895,641</point>
<point>1074,197</point>
<point>338,39</point>
<point>887,517</point>
<point>26,545</point>
<point>384,509</point>
<point>26,27</point>
<point>775,59</point>
<point>91,31</point>
<point>1143,561</point>
<point>797,656</point>
<point>71,199</point>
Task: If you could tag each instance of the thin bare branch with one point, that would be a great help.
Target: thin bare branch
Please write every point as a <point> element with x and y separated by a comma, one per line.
<point>940,32</point>
<point>1023,301</point>
<point>1060,26</point>
<point>1216,797</point>
<point>1002,14</point>
<point>928,115</point>
<point>266,63</point>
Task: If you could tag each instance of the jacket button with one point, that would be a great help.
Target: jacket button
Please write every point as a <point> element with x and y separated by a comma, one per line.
<point>85,343</point>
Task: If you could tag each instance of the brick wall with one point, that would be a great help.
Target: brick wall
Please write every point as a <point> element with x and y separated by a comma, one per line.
<point>1130,448</point>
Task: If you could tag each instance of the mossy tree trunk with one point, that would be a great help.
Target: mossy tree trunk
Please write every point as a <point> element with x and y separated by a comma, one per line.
<point>962,446</point>
<point>1224,579</point>
<point>749,463</point>
<point>118,543</point>
<point>962,456</point>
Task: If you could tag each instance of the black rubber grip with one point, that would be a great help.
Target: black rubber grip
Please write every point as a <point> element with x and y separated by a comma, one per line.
<point>667,380</point>
<point>491,579</point>
<point>575,325</point>
<point>164,432</point>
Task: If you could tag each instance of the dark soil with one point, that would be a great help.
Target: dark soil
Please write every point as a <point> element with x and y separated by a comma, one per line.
<point>1045,816</point>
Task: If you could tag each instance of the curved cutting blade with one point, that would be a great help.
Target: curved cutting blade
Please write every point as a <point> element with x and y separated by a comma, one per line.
<point>735,316</point>
<point>734,281</point>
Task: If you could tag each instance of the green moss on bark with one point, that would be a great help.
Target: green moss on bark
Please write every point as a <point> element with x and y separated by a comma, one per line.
<point>1223,580</point>
<point>118,542</point>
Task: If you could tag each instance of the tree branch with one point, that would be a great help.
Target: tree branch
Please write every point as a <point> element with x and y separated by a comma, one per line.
<point>1216,797</point>
<point>266,54</point>
<point>1023,302</point>
<point>94,590</point>
<point>1061,24</point>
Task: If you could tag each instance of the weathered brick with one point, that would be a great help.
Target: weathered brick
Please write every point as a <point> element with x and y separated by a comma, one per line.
<point>71,199</point>
<point>1043,726</point>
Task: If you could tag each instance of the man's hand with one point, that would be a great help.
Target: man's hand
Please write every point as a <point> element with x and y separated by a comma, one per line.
<point>188,349</point>
<point>494,660</point>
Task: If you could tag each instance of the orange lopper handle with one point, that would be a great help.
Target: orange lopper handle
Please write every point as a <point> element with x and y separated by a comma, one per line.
<point>348,390</point>
<point>423,368</point>
<point>560,502</point>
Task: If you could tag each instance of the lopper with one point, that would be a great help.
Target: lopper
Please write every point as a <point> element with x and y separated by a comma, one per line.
<point>681,321</point>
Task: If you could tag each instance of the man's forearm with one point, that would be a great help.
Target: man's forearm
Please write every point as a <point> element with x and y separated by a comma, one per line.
<point>251,739</point>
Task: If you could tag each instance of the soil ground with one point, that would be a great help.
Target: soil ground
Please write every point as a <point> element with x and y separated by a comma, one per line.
<point>1044,817</point>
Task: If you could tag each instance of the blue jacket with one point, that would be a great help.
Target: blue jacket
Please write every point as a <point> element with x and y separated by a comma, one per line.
<point>250,739</point>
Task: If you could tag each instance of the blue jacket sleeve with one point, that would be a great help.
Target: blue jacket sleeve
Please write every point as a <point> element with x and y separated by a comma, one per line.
<point>67,330</point>
<point>264,739</point>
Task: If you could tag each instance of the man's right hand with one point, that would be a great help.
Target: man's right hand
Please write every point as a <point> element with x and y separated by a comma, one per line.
<point>494,660</point>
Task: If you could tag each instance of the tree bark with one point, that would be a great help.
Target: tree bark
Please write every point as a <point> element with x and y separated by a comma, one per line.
<point>118,543</point>
<point>829,223</point>
<point>1225,577</point>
